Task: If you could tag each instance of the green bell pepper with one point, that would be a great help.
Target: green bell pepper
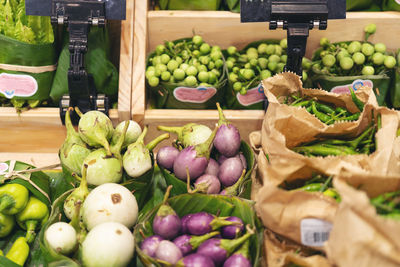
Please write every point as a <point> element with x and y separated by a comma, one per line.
<point>19,251</point>
<point>6,224</point>
<point>34,215</point>
<point>13,198</point>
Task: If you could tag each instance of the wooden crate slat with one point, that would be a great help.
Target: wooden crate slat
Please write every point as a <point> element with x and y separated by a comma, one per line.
<point>139,61</point>
<point>125,63</point>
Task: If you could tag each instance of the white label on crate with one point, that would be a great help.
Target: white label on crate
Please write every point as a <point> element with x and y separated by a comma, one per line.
<point>200,94</point>
<point>3,167</point>
<point>17,85</point>
<point>344,89</point>
<point>314,232</point>
<point>253,96</point>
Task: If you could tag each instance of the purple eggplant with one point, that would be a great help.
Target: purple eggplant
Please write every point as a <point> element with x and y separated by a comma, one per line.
<point>212,167</point>
<point>184,221</point>
<point>202,223</point>
<point>222,158</point>
<point>168,252</point>
<point>150,245</point>
<point>220,249</point>
<point>166,223</point>
<point>230,171</point>
<point>195,158</point>
<point>188,243</point>
<point>227,139</point>
<point>233,189</point>
<point>232,231</point>
<point>208,184</point>
<point>166,157</point>
<point>241,258</point>
<point>195,260</point>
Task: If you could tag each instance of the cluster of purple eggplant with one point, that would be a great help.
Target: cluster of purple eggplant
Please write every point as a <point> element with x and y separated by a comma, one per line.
<point>197,240</point>
<point>192,162</point>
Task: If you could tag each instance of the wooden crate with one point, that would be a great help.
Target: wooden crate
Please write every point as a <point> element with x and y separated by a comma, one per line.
<point>223,28</point>
<point>35,136</point>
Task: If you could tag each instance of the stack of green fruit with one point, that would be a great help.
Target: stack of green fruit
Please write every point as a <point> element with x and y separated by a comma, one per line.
<point>191,62</point>
<point>353,58</point>
<point>257,62</point>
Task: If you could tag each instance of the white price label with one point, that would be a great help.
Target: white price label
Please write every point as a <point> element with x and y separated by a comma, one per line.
<point>314,232</point>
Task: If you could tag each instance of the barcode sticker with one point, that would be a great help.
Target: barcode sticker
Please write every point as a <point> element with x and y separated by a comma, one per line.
<point>314,232</point>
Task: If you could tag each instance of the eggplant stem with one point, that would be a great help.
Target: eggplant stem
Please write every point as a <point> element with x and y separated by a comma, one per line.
<point>150,146</point>
<point>116,148</point>
<point>141,136</point>
<point>189,190</point>
<point>68,124</point>
<point>78,111</point>
<point>141,233</point>
<point>222,120</point>
<point>204,149</point>
<point>167,192</point>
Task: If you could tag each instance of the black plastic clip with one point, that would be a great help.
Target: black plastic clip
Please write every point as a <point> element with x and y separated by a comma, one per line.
<point>79,15</point>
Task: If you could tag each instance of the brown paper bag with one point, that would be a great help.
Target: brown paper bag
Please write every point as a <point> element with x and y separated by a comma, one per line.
<point>304,217</point>
<point>285,127</point>
<point>282,253</point>
<point>359,236</point>
<point>289,120</point>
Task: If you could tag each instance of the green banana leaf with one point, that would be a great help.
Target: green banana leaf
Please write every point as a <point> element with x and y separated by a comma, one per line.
<point>233,5</point>
<point>214,204</point>
<point>39,178</point>
<point>355,5</point>
<point>58,184</point>
<point>14,52</point>
<point>395,90</point>
<point>180,187</point>
<point>190,4</point>
<point>97,63</point>
<point>390,5</point>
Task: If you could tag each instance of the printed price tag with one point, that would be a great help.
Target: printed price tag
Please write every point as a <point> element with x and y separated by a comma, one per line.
<point>253,96</point>
<point>344,89</point>
<point>3,167</point>
<point>17,85</point>
<point>314,232</point>
<point>200,94</point>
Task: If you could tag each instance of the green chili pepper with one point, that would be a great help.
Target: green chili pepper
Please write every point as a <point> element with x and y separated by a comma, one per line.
<point>379,121</point>
<point>315,187</point>
<point>340,110</point>
<point>394,216</point>
<point>353,117</point>
<point>309,109</point>
<point>331,192</point>
<point>357,102</point>
<point>301,104</point>
<point>321,116</point>
<point>325,150</point>
<point>6,224</point>
<point>324,108</point>
<point>34,215</point>
<point>19,251</point>
<point>13,198</point>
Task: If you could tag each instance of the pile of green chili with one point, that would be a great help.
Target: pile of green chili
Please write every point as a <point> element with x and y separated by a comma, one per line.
<point>317,183</point>
<point>388,205</point>
<point>326,113</point>
<point>362,144</point>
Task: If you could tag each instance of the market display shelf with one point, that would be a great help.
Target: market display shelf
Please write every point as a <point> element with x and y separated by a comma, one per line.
<point>223,28</point>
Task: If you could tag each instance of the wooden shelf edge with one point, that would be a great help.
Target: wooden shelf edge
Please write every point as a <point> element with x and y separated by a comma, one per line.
<point>185,114</point>
<point>232,15</point>
<point>42,115</point>
<point>36,159</point>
